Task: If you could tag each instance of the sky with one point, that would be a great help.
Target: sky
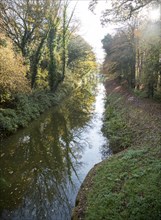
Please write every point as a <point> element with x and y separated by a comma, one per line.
<point>91,29</point>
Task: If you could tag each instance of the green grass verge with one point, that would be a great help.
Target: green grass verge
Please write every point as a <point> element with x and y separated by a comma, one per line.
<point>116,125</point>
<point>128,185</point>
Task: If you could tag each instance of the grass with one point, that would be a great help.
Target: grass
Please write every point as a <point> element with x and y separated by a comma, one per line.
<point>128,185</point>
<point>116,125</point>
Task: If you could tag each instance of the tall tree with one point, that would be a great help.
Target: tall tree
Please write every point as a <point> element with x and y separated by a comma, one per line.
<point>21,21</point>
<point>66,36</point>
<point>122,10</point>
<point>62,36</point>
<point>28,23</point>
<point>81,58</point>
<point>120,54</point>
<point>54,20</point>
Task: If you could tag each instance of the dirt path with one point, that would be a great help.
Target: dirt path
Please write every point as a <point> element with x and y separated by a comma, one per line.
<point>148,105</point>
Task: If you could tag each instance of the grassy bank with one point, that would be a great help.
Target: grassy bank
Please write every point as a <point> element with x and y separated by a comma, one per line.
<point>126,186</point>
<point>26,107</point>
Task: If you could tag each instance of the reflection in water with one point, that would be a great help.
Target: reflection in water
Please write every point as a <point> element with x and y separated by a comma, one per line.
<point>44,164</point>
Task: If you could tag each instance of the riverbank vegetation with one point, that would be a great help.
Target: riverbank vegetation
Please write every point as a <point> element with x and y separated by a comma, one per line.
<point>127,185</point>
<point>53,145</point>
<point>42,59</point>
<point>133,50</point>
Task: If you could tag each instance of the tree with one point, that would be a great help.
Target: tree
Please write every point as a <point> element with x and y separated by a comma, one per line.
<point>66,37</point>
<point>21,21</point>
<point>148,67</point>
<point>81,58</point>
<point>133,54</point>
<point>58,40</point>
<point>120,54</point>
<point>122,10</point>
<point>53,41</point>
<point>78,49</point>
<point>130,59</point>
<point>107,40</point>
<point>12,71</point>
<point>28,23</point>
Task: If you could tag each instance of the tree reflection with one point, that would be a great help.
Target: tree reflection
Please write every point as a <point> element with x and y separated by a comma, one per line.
<point>37,164</point>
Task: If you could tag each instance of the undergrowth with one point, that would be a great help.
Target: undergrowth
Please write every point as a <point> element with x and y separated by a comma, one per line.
<point>127,186</point>
<point>125,125</point>
<point>25,108</point>
<point>116,127</point>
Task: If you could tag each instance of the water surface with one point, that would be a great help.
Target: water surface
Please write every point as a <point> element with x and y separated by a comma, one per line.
<point>43,166</point>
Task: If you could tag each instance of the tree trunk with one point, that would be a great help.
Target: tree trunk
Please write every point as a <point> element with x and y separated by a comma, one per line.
<point>34,61</point>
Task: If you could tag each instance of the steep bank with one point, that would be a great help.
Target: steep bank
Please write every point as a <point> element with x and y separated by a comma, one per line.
<point>126,186</point>
<point>28,107</point>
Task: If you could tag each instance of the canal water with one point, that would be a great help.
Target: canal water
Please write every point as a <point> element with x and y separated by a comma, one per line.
<point>43,166</point>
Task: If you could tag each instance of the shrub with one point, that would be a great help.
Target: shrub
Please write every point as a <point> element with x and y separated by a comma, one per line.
<point>12,72</point>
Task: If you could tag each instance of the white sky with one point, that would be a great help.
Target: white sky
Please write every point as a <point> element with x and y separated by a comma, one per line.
<point>91,29</point>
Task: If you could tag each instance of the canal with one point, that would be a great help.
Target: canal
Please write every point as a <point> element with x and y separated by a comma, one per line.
<point>43,166</point>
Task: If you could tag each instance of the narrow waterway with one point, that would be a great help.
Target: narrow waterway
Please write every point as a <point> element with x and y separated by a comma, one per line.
<point>43,166</point>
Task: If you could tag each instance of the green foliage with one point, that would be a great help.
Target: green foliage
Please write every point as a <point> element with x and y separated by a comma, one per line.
<point>3,42</point>
<point>42,79</point>
<point>133,53</point>
<point>25,107</point>
<point>120,54</point>
<point>115,126</point>
<point>140,93</point>
<point>36,52</point>
<point>8,120</point>
<point>78,49</point>
<point>116,193</point>
<point>127,185</point>
<point>37,29</point>
<point>82,61</point>
<point>150,45</point>
<point>28,107</point>
<point>107,41</point>
<point>12,72</point>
